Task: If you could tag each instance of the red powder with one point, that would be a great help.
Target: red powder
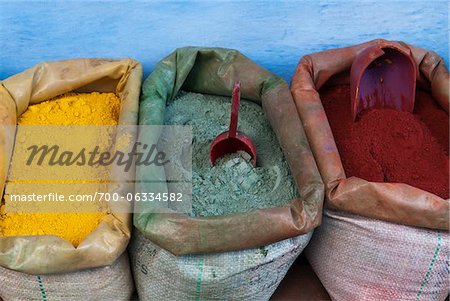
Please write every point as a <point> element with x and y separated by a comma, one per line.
<point>385,145</point>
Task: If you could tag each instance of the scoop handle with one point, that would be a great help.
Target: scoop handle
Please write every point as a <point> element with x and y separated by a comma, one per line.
<point>236,96</point>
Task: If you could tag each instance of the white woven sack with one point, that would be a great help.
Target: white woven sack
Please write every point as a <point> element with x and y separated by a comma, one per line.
<point>106,283</point>
<point>251,274</point>
<point>357,258</point>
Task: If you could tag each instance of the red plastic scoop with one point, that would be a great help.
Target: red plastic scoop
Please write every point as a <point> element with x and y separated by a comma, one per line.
<point>232,141</point>
<point>383,76</point>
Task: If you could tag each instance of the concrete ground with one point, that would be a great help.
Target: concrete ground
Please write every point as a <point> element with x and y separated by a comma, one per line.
<point>301,284</point>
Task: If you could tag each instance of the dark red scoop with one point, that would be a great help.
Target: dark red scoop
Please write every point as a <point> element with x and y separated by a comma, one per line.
<point>383,76</point>
<point>232,141</point>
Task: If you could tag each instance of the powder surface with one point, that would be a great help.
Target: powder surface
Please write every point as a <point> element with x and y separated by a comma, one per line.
<point>69,109</point>
<point>74,109</point>
<point>232,185</point>
<point>386,145</point>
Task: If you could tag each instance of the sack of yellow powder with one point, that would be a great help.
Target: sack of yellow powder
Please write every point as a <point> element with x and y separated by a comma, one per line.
<point>41,254</point>
<point>69,115</point>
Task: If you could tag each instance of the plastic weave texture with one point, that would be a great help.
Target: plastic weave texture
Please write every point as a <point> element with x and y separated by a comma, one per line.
<point>251,274</point>
<point>358,258</point>
<point>106,283</point>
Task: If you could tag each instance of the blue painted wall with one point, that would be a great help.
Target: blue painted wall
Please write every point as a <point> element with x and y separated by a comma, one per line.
<point>273,33</point>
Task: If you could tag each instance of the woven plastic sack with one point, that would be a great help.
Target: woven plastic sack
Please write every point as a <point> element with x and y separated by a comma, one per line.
<point>251,274</point>
<point>51,254</point>
<point>105,283</point>
<point>394,202</point>
<point>358,258</point>
<point>238,269</point>
<point>371,247</point>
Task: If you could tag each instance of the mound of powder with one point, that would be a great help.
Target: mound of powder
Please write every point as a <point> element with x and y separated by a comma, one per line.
<point>68,109</point>
<point>386,145</point>
<point>232,185</point>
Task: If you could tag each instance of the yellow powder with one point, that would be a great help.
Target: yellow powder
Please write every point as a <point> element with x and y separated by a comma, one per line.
<point>69,109</point>
<point>74,109</point>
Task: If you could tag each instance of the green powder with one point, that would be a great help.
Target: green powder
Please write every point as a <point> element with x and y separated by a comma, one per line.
<point>232,185</point>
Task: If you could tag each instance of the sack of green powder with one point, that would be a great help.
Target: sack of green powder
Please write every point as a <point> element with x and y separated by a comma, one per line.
<point>377,241</point>
<point>235,250</point>
<point>44,255</point>
<point>112,282</point>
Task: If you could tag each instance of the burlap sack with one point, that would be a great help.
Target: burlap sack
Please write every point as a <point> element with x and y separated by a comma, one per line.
<point>238,270</point>
<point>370,246</point>
<point>50,254</point>
<point>105,283</point>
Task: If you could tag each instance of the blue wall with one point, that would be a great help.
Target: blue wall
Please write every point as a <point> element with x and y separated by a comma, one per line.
<point>273,33</point>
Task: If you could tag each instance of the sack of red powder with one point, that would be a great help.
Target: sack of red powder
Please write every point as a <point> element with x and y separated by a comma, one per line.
<point>384,234</point>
